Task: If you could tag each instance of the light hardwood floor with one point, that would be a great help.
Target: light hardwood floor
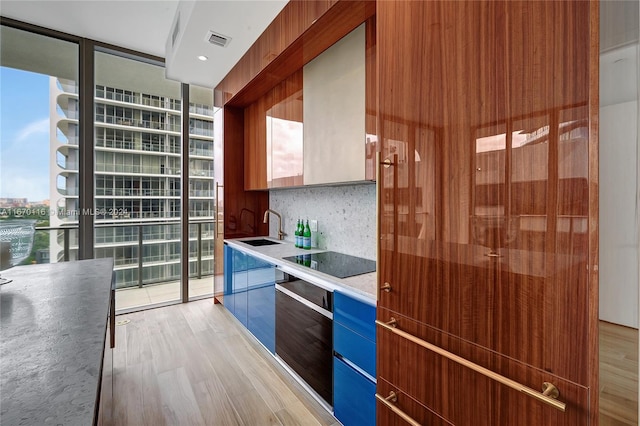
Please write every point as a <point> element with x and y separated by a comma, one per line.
<point>192,364</point>
<point>618,375</point>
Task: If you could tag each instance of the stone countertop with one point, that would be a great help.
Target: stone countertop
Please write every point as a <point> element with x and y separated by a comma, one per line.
<point>53,323</point>
<point>362,287</point>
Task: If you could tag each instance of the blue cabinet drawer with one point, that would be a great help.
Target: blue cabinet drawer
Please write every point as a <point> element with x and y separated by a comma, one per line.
<point>355,348</point>
<point>354,402</point>
<point>355,315</point>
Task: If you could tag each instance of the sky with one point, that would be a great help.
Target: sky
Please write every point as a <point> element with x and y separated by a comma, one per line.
<point>24,134</point>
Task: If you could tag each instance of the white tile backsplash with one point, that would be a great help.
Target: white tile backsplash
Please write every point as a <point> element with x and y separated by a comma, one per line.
<point>346,216</point>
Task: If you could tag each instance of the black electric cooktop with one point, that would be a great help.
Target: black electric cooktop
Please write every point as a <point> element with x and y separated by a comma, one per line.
<point>332,263</point>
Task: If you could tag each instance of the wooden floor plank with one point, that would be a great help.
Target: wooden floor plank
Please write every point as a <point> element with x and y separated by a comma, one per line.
<point>253,410</point>
<point>194,364</point>
<point>179,405</point>
<point>618,375</point>
<point>215,405</point>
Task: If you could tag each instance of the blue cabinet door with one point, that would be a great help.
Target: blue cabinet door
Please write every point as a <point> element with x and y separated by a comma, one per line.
<point>354,402</point>
<point>249,294</point>
<point>354,331</point>
<point>261,301</point>
<point>228,299</point>
<point>262,315</point>
<point>235,291</point>
<point>240,263</point>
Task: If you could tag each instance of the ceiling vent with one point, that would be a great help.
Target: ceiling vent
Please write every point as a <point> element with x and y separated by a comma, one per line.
<point>217,39</point>
<point>176,31</point>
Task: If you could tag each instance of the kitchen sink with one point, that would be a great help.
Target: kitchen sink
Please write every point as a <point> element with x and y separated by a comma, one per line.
<point>260,242</point>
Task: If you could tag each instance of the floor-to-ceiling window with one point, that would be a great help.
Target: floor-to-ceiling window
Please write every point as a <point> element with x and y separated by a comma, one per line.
<point>201,192</point>
<point>39,148</point>
<point>138,157</point>
<point>137,173</point>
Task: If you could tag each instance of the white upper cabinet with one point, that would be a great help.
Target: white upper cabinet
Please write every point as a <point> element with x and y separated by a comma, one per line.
<point>334,112</point>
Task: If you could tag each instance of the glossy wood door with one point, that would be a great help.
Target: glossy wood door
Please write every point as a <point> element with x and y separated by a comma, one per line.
<point>488,206</point>
<point>273,137</point>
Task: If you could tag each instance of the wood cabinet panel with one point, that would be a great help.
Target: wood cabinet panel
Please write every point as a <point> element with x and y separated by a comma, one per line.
<point>283,102</point>
<point>278,163</point>
<point>242,209</point>
<point>497,304</point>
<point>255,143</point>
<point>463,396</point>
<point>406,404</point>
<point>488,201</point>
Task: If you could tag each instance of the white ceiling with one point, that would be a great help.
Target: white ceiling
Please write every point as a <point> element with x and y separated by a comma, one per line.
<point>146,26</point>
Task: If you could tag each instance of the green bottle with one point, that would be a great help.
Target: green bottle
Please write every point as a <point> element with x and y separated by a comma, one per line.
<point>306,237</point>
<point>297,235</point>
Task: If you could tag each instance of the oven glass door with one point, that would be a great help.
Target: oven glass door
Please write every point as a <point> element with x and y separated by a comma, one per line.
<point>304,333</point>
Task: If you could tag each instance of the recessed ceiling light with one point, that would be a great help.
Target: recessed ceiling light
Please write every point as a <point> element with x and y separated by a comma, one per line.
<point>202,58</point>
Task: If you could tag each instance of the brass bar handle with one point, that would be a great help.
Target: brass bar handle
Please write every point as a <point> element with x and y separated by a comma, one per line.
<point>388,401</point>
<point>548,395</point>
<point>386,287</point>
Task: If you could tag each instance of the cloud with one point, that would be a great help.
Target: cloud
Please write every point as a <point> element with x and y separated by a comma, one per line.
<point>33,128</point>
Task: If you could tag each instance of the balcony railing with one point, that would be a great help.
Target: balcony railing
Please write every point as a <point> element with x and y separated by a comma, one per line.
<point>136,192</point>
<point>70,192</point>
<point>134,238</point>
<point>201,109</point>
<point>68,140</point>
<point>200,173</point>
<point>136,168</point>
<point>134,122</point>
<point>201,152</point>
<point>68,88</point>
<point>201,132</point>
<point>209,193</point>
<point>72,114</point>
<point>139,100</point>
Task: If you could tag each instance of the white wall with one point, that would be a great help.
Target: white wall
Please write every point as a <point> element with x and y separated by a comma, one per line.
<point>619,209</point>
<point>346,215</point>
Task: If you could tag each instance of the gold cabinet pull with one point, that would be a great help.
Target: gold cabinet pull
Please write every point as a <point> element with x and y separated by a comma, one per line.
<point>549,389</point>
<point>390,324</point>
<point>548,395</point>
<point>386,287</point>
<point>389,402</point>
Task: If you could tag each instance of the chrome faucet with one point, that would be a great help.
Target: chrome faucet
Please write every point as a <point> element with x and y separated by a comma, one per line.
<point>281,233</point>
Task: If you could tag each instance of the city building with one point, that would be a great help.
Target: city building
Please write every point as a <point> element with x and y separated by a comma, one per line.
<point>137,180</point>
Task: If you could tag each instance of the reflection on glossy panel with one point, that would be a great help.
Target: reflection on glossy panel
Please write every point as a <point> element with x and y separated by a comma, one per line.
<point>284,142</point>
<point>486,179</point>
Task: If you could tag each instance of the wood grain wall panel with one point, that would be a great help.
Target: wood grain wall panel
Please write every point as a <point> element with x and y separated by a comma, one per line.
<point>331,21</point>
<point>463,396</point>
<point>488,108</point>
<point>242,209</point>
<point>431,379</point>
<point>255,143</point>
<point>408,405</point>
<point>497,304</point>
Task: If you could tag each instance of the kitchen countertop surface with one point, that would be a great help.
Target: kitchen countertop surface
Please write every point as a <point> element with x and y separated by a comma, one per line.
<point>362,286</point>
<point>53,323</point>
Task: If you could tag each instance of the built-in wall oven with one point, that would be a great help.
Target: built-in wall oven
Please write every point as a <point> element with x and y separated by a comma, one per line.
<point>304,332</point>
